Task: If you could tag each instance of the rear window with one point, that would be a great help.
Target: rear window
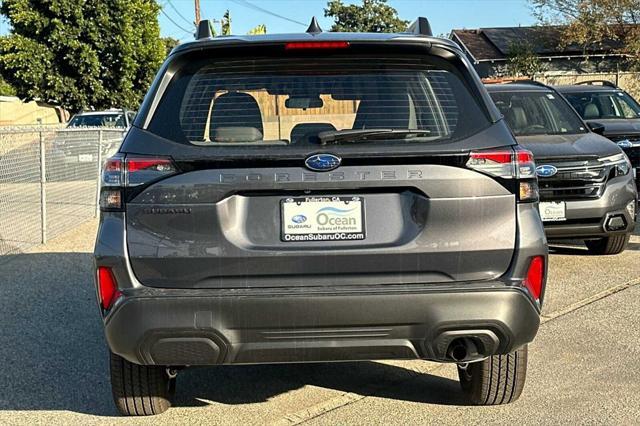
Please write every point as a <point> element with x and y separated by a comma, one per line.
<point>294,100</point>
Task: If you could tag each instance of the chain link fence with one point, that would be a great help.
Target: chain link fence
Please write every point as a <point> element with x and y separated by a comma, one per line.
<point>49,181</point>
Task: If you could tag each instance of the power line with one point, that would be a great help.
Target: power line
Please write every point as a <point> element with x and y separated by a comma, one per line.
<point>178,12</point>
<point>245,3</point>
<point>174,22</point>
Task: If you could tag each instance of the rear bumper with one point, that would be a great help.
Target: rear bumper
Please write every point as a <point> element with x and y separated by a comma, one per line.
<point>209,327</point>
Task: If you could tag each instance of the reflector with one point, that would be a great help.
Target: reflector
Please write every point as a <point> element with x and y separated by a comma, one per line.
<point>535,277</point>
<point>107,287</point>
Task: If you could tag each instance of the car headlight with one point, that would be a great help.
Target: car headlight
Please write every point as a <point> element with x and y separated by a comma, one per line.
<point>622,169</point>
<point>620,162</point>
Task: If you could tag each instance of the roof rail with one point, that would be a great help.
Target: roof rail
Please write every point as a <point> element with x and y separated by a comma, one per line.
<point>602,83</point>
<point>513,80</point>
<point>204,30</point>
<point>420,26</point>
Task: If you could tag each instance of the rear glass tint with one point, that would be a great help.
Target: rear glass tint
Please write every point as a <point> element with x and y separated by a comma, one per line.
<point>291,101</point>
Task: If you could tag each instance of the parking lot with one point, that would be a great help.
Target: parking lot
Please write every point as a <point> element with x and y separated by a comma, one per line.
<point>583,364</point>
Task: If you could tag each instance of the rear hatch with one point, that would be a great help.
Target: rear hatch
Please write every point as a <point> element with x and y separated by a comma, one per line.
<point>308,169</point>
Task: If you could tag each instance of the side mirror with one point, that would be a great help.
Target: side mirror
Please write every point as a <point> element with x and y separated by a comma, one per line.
<point>596,128</point>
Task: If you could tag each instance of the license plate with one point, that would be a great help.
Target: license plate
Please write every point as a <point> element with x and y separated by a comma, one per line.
<point>553,211</point>
<point>322,219</point>
<point>85,158</point>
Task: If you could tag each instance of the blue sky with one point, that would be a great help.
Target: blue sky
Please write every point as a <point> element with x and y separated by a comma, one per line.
<point>444,15</point>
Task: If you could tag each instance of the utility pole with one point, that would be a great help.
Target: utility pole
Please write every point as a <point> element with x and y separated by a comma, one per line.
<point>197,5</point>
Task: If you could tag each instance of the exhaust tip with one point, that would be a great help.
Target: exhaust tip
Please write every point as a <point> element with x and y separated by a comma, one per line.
<point>457,350</point>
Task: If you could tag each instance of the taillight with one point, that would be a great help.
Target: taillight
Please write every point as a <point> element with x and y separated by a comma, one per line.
<point>121,172</point>
<point>139,171</point>
<point>107,287</point>
<point>534,280</point>
<point>306,45</point>
<point>509,163</point>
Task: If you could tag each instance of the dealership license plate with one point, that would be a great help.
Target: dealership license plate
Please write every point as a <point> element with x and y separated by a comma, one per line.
<point>322,219</point>
<point>553,211</point>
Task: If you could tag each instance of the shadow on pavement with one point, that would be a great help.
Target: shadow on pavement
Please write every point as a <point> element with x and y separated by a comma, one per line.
<point>55,357</point>
<point>51,340</point>
<point>259,383</point>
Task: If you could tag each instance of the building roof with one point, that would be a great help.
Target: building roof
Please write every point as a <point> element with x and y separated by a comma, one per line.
<point>490,44</point>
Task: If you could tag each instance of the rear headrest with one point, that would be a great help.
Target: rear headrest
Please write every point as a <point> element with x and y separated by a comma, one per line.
<point>591,110</point>
<point>391,112</point>
<point>308,132</point>
<point>236,110</point>
<point>236,134</point>
<point>518,117</point>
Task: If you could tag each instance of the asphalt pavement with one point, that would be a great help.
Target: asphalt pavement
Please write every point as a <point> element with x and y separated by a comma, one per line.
<point>583,365</point>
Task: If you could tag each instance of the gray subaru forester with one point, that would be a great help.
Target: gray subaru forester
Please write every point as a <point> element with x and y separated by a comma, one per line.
<point>318,197</point>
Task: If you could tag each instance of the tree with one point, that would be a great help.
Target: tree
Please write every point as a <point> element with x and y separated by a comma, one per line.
<point>371,16</point>
<point>260,29</point>
<point>6,89</point>
<point>226,23</point>
<point>523,61</point>
<point>169,44</point>
<point>81,54</point>
<point>589,23</point>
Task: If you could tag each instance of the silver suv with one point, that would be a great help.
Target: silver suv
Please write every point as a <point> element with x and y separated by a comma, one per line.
<point>587,189</point>
<point>318,197</point>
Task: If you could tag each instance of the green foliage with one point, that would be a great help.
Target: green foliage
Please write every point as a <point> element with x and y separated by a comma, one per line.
<point>260,29</point>
<point>588,23</point>
<point>371,16</point>
<point>6,89</point>
<point>81,53</point>
<point>523,61</point>
<point>169,44</point>
<point>226,23</point>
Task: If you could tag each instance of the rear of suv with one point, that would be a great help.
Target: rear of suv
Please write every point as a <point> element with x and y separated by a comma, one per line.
<point>318,197</point>
<point>603,104</point>
<point>587,191</point>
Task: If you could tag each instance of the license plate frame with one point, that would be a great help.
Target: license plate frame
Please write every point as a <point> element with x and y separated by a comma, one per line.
<point>553,211</point>
<point>322,218</point>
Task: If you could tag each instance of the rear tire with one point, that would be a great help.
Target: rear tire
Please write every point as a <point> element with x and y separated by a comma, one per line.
<point>609,245</point>
<point>139,390</point>
<point>496,380</point>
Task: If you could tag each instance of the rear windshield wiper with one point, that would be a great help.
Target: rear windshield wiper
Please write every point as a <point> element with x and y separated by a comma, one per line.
<point>332,136</point>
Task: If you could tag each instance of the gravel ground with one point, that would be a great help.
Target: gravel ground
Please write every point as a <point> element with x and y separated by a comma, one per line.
<point>583,364</point>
